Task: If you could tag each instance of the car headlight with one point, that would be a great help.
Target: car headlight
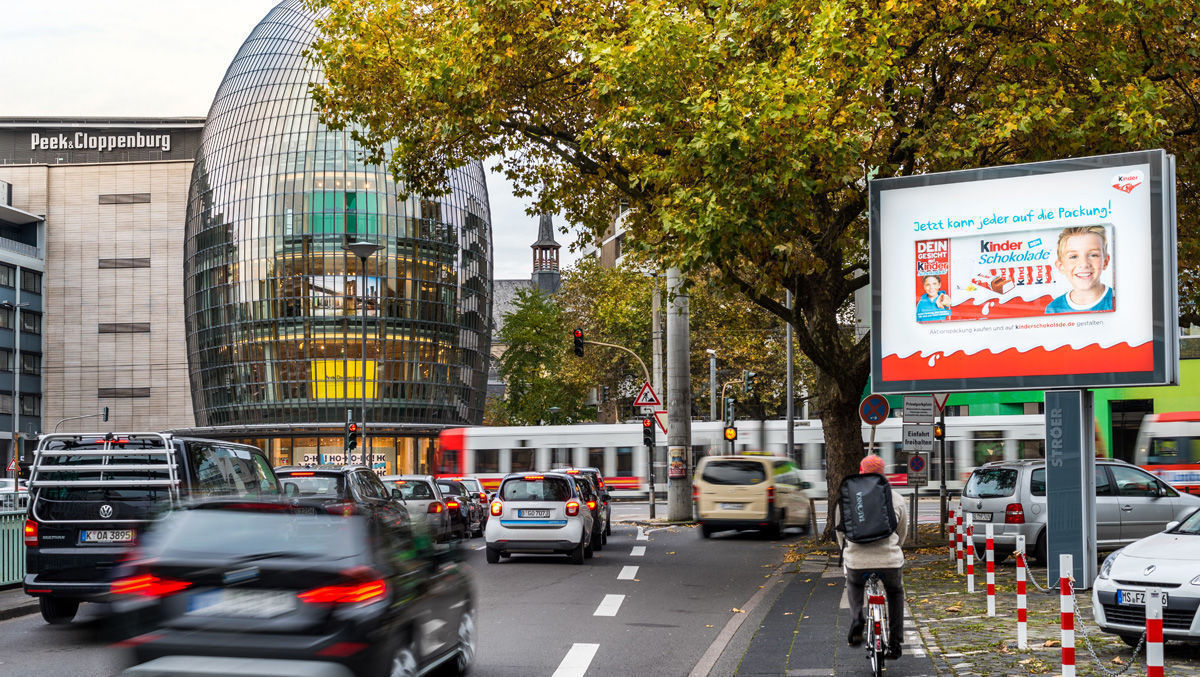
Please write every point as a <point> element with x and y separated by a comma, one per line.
<point>1106,568</point>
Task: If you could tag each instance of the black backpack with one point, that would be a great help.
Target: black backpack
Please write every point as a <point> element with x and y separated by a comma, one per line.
<point>866,505</point>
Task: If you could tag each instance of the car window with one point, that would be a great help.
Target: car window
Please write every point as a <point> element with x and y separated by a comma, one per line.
<point>366,487</point>
<point>734,472</point>
<point>1037,482</point>
<point>230,471</point>
<point>452,488</point>
<point>414,490</point>
<point>534,488</point>
<point>1190,524</point>
<point>1103,486</point>
<point>377,489</point>
<point>991,483</point>
<point>316,485</point>
<point>585,489</point>
<point>1134,482</point>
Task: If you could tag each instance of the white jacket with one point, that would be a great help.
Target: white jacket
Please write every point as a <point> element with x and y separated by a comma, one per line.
<point>882,554</point>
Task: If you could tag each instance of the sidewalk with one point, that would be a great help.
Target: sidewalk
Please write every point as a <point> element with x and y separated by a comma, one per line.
<point>14,602</point>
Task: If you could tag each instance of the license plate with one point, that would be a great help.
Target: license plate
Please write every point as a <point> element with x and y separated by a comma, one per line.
<point>732,506</point>
<point>529,512</point>
<point>243,603</point>
<point>981,516</point>
<point>1136,598</point>
<point>106,536</point>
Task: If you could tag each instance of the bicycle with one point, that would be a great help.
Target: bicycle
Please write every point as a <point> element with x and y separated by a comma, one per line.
<point>876,615</point>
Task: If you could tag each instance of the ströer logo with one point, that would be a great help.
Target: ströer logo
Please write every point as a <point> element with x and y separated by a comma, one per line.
<point>1128,181</point>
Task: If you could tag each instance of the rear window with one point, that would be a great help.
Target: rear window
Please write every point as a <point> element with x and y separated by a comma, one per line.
<point>991,483</point>
<point>320,486</point>
<point>543,489</point>
<point>230,471</point>
<point>413,490</point>
<point>234,534</point>
<point>143,494</point>
<point>734,472</point>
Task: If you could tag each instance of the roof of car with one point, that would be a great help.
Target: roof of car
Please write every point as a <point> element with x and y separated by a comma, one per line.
<point>1033,462</point>
<point>426,478</point>
<point>320,468</point>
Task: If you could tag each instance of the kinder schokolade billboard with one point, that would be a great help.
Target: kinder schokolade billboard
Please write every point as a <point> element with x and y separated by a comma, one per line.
<point>1053,274</point>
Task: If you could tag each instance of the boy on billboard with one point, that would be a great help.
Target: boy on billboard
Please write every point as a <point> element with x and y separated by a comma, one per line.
<point>934,304</point>
<point>1082,257</point>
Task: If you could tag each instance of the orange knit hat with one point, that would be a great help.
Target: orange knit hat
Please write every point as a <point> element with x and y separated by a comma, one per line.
<point>870,464</point>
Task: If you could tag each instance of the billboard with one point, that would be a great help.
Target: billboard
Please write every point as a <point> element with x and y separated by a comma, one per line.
<point>1046,275</point>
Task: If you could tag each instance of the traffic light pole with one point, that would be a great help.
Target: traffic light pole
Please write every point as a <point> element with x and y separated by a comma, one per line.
<point>942,472</point>
<point>645,371</point>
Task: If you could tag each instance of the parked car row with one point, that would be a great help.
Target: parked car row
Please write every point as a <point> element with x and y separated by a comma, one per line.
<point>563,511</point>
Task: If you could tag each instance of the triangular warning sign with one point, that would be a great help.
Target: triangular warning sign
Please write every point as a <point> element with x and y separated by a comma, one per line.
<point>646,397</point>
<point>12,465</point>
<point>661,418</point>
<point>939,399</point>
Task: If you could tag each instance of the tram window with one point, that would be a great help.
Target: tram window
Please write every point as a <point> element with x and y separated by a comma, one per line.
<point>1171,450</point>
<point>449,462</point>
<point>1031,449</point>
<point>596,458</point>
<point>522,460</point>
<point>560,457</point>
<point>821,450</point>
<point>487,460</point>
<point>624,461</point>
<point>989,446</point>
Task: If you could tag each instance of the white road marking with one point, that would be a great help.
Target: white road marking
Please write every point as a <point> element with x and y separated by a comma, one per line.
<point>642,536</point>
<point>610,605</point>
<point>481,547</point>
<point>638,551</point>
<point>627,574</point>
<point>577,660</point>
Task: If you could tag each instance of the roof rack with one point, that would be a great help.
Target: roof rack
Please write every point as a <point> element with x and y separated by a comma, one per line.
<point>47,472</point>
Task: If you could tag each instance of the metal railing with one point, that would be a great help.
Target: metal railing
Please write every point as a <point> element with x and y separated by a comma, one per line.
<point>20,248</point>
<point>12,546</point>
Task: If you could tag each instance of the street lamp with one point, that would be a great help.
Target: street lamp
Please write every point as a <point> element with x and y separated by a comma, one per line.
<point>364,251</point>
<point>16,385</point>
<point>712,383</point>
<point>553,411</point>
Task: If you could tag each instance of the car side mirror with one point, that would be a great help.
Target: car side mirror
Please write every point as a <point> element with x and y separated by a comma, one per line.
<point>806,485</point>
<point>1171,525</point>
<point>396,493</point>
<point>606,496</point>
<point>290,489</point>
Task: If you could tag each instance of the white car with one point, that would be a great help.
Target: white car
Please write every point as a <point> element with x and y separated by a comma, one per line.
<point>1165,560</point>
<point>14,495</point>
<point>538,513</point>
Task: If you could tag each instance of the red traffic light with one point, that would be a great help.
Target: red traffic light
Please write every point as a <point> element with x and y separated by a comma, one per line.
<point>578,333</point>
<point>353,427</point>
<point>647,422</point>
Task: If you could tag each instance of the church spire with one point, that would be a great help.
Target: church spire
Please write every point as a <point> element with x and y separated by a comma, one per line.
<point>545,257</point>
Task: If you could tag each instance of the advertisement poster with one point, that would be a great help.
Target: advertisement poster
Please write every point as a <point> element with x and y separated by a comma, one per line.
<point>339,293</point>
<point>1045,275</point>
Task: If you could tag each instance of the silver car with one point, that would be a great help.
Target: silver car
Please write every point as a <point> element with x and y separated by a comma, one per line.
<point>424,501</point>
<point>1130,504</point>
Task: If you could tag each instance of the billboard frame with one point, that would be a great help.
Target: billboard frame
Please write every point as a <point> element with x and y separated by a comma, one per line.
<point>1163,254</point>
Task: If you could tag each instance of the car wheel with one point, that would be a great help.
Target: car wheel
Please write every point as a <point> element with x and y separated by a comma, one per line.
<point>478,533</point>
<point>608,527</point>
<point>403,661</point>
<point>466,644</point>
<point>1039,550</point>
<point>492,554</point>
<point>58,611</point>
<point>576,553</point>
<point>773,530</point>
<point>999,556</point>
<point>598,541</point>
<point>589,550</point>
<point>705,531</point>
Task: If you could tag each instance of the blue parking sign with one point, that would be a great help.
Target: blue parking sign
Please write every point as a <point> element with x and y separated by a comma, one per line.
<point>874,409</point>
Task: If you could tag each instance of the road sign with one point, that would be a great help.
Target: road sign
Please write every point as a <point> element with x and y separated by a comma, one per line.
<point>12,465</point>
<point>646,397</point>
<point>917,438</point>
<point>939,400</point>
<point>918,470</point>
<point>874,409</point>
<point>661,418</point>
<point>919,409</point>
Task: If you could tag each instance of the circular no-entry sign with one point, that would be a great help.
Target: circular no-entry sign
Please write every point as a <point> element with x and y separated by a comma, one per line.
<point>874,409</point>
<point>916,463</point>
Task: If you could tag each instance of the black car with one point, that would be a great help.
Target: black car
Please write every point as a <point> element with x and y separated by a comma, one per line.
<point>587,489</point>
<point>466,504</point>
<point>92,495</point>
<point>598,481</point>
<point>270,581</point>
<point>342,490</point>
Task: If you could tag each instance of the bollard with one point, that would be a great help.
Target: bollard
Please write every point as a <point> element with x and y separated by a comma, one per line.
<point>969,537</point>
<point>950,532</point>
<point>1154,633</point>
<point>990,556</point>
<point>958,541</point>
<point>1022,628</point>
<point>1066,609</point>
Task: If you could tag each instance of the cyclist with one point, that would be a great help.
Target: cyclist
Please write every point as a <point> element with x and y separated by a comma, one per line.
<point>886,559</point>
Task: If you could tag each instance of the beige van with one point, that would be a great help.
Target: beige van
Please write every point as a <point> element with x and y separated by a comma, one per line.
<point>749,491</point>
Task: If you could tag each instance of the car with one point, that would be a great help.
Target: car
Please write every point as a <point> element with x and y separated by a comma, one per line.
<point>14,494</point>
<point>1166,560</point>
<point>343,489</point>
<point>587,489</point>
<point>425,503</point>
<point>264,581</point>
<point>539,513</point>
<point>750,491</point>
<point>482,497</point>
<point>1130,505</point>
<point>598,480</point>
<point>92,494</point>
<point>463,501</point>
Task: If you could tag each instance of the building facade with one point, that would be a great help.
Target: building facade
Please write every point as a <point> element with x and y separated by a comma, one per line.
<point>22,314</point>
<point>104,203</point>
<point>289,334</point>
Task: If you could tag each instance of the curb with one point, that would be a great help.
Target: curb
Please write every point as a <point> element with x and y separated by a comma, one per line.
<point>18,611</point>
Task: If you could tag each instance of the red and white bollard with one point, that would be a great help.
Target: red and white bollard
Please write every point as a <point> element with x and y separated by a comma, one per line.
<point>969,537</point>
<point>1154,633</point>
<point>1066,608</point>
<point>958,540</point>
<point>1022,614</point>
<point>990,556</point>
<point>950,532</point>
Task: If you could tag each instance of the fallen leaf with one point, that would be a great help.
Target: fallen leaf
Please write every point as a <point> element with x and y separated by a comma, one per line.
<point>1027,661</point>
<point>708,626</point>
<point>808,580</point>
<point>1052,642</point>
<point>831,584</point>
<point>954,609</point>
<point>808,617</point>
<point>1118,660</point>
<point>789,613</point>
<point>670,553</point>
<point>737,610</point>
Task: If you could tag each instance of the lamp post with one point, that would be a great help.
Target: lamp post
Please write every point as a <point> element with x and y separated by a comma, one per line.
<point>16,382</point>
<point>364,251</point>
<point>712,384</point>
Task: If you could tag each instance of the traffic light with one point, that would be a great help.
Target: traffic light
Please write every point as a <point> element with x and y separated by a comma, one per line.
<point>351,436</point>
<point>604,394</point>
<point>748,381</point>
<point>730,433</point>
<point>578,342</point>
<point>939,431</point>
<point>106,414</point>
<point>648,431</point>
<point>729,405</point>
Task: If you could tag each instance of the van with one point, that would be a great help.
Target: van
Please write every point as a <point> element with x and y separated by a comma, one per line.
<point>93,494</point>
<point>749,491</point>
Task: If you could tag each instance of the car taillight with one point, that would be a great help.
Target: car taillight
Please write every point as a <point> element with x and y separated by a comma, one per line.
<point>497,508</point>
<point>436,507</point>
<point>366,586</point>
<point>452,504</point>
<point>31,533</point>
<point>343,509</point>
<point>148,585</point>
<point>483,497</point>
<point>572,508</point>
<point>1014,513</point>
<point>591,505</point>
<point>770,495</point>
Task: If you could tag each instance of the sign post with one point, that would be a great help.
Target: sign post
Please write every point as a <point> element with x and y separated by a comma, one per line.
<point>873,410</point>
<point>939,401</point>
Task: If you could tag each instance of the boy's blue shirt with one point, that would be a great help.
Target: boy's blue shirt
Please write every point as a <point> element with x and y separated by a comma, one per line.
<point>1060,304</point>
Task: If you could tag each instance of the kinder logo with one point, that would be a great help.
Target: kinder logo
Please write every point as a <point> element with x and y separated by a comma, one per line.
<point>1127,182</point>
<point>1006,246</point>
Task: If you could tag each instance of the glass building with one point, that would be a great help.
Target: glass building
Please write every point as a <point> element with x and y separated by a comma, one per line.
<point>275,304</point>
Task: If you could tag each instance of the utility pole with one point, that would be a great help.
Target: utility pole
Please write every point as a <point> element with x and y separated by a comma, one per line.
<point>656,338</point>
<point>791,395</point>
<point>712,384</point>
<point>679,402</point>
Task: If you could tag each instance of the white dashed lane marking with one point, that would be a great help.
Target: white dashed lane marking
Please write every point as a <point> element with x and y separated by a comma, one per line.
<point>577,660</point>
<point>638,551</point>
<point>627,574</point>
<point>610,605</point>
<point>642,535</point>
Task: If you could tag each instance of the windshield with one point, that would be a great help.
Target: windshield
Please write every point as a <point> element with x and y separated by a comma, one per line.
<point>240,533</point>
<point>991,483</point>
<point>1191,525</point>
<point>734,472</point>
<point>544,489</point>
<point>320,486</point>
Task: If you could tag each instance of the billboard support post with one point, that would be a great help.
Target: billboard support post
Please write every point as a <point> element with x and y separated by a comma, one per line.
<point>1071,482</point>
<point>942,473</point>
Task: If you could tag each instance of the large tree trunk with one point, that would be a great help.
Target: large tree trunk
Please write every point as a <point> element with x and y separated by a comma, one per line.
<point>843,437</point>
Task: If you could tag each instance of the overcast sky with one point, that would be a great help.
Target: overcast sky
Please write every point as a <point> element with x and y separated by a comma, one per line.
<point>164,58</point>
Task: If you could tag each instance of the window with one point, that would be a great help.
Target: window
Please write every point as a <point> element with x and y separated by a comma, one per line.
<point>6,404</point>
<point>487,460</point>
<point>31,322</point>
<point>8,275</point>
<point>1134,482</point>
<point>596,458</point>
<point>31,405</point>
<point>624,462</point>
<point>1031,449</point>
<point>1173,450</point>
<point>125,198</point>
<point>122,392</point>
<point>233,471</point>
<point>124,328</point>
<point>734,472</point>
<point>6,318</point>
<point>31,281</point>
<point>124,263</point>
<point>543,489</point>
<point>6,363</point>
<point>521,460</point>
<point>989,446</point>
<point>991,483</point>
<point>31,363</point>
<point>560,457</point>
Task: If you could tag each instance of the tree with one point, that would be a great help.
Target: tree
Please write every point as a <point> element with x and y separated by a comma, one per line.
<point>744,132</point>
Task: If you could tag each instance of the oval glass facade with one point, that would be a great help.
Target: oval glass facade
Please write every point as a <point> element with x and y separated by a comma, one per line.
<point>274,305</point>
